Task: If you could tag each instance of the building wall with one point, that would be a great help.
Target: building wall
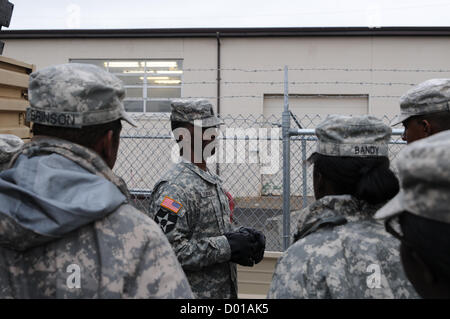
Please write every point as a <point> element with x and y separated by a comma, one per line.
<point>195,53</point>
<point>266,53</point>
<point>324,54</point>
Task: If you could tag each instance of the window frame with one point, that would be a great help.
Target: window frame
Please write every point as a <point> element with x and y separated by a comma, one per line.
<point>145,87</point>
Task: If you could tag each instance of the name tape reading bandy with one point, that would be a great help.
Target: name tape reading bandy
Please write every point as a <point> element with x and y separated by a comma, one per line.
<point>352,149</point>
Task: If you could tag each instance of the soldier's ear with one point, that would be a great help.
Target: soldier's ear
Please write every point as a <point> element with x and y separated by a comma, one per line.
<point>110,148</point>
<point>427,128</point>
<point>317,183</point>
<point>106,148</point>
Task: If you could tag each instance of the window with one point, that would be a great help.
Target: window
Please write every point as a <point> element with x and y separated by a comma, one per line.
<point>149,84</point>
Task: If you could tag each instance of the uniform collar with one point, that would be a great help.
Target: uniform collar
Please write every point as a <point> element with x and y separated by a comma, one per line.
<point>346,206</point>
<point>83,156</point>
<point>206,175</point>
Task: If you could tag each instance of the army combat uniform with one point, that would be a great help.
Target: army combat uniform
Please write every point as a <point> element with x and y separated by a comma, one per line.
<point>355,260</point>
<point>424,172</point>
<point>429,97</point>
<point>67,229</point>
<point>342,251</point>
<point>419,215</point>
<point>9,145</point>
<point>193,211</point>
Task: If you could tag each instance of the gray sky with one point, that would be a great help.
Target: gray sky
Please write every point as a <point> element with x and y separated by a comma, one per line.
<point>108,14</point>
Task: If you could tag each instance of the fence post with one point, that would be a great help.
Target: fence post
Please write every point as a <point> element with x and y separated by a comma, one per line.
<point>305,174</point>
<point>286,164</point>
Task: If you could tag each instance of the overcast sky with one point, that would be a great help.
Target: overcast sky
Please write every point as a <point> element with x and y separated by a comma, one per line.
<point>124,14</point>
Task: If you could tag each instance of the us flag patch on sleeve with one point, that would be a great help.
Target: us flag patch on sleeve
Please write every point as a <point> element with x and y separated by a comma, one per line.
<point>171,204</point>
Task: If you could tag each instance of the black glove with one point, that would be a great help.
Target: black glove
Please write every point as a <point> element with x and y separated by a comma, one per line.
<point>260,243</point>
<point>242,246</point>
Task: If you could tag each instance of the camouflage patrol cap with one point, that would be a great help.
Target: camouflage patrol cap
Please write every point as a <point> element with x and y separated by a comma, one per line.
<point>357,136</point>
<point>75,95</point>
<point>428,97</point>
<point>424,173</point>
<point>9,145</point>
<point>197,112</point>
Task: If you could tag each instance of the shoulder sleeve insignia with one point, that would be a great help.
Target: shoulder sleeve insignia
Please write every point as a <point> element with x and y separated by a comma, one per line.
<point>171,204</point>
<point>166,220</point>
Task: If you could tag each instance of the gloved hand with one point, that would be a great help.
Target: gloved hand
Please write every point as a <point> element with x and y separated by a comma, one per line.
<point>242,246</point>
<point>260,243</point>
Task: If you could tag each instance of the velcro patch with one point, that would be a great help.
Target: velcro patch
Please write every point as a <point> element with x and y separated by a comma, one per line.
<point>207,194</point>
<point>66,119</point>
<point>171,204</point>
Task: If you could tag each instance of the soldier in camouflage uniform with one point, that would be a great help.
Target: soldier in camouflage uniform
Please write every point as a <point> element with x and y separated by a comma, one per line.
<point>425,109</point>
<point>419,216</point>
<point>341,251</point>
<point>9,145</point>
<point>192,208</point>
<point>67,229</point>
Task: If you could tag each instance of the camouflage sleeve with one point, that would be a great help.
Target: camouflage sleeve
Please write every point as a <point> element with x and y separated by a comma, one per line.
<point>136,259</point>
<point>297,276</point>
<point>157,273</point>
<point>287,282</point>
<point>159,265</point>
<point>9,146</point>
<point>177,215</point>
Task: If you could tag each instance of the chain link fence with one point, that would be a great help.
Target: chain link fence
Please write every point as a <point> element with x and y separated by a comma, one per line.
<point>249,163</point>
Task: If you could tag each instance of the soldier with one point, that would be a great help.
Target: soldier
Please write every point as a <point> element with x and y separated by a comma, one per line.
<point>193,210</point>
<point>425,109</point>
<point>419,216</point>
<point>341,251</point>
<point>9,145</point>
<point>67,229</point>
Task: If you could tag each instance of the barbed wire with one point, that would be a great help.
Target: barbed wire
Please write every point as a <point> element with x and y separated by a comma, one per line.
<point>372,70</point>
<point>231,69</point>
<point>302,83</point>
<point>353,83</point>
<point>264,96</point>
<point>341,69</point>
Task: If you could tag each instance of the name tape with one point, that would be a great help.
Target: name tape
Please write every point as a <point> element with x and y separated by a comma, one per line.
<point>65,119</point>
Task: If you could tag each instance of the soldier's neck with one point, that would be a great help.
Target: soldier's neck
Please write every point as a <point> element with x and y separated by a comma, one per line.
<point>201,165</point>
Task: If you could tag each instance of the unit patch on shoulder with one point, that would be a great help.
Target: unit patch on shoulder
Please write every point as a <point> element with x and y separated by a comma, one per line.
<point>166,220</point>
<point>171,204</point>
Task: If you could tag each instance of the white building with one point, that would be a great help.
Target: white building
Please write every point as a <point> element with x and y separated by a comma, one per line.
<point>331,70</point>
<point>184,62</point>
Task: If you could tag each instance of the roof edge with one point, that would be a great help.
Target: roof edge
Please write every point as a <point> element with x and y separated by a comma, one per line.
<point>225,32</point>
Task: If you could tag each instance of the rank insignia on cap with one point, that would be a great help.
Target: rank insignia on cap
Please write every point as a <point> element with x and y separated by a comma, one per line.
<point>171,204</point>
